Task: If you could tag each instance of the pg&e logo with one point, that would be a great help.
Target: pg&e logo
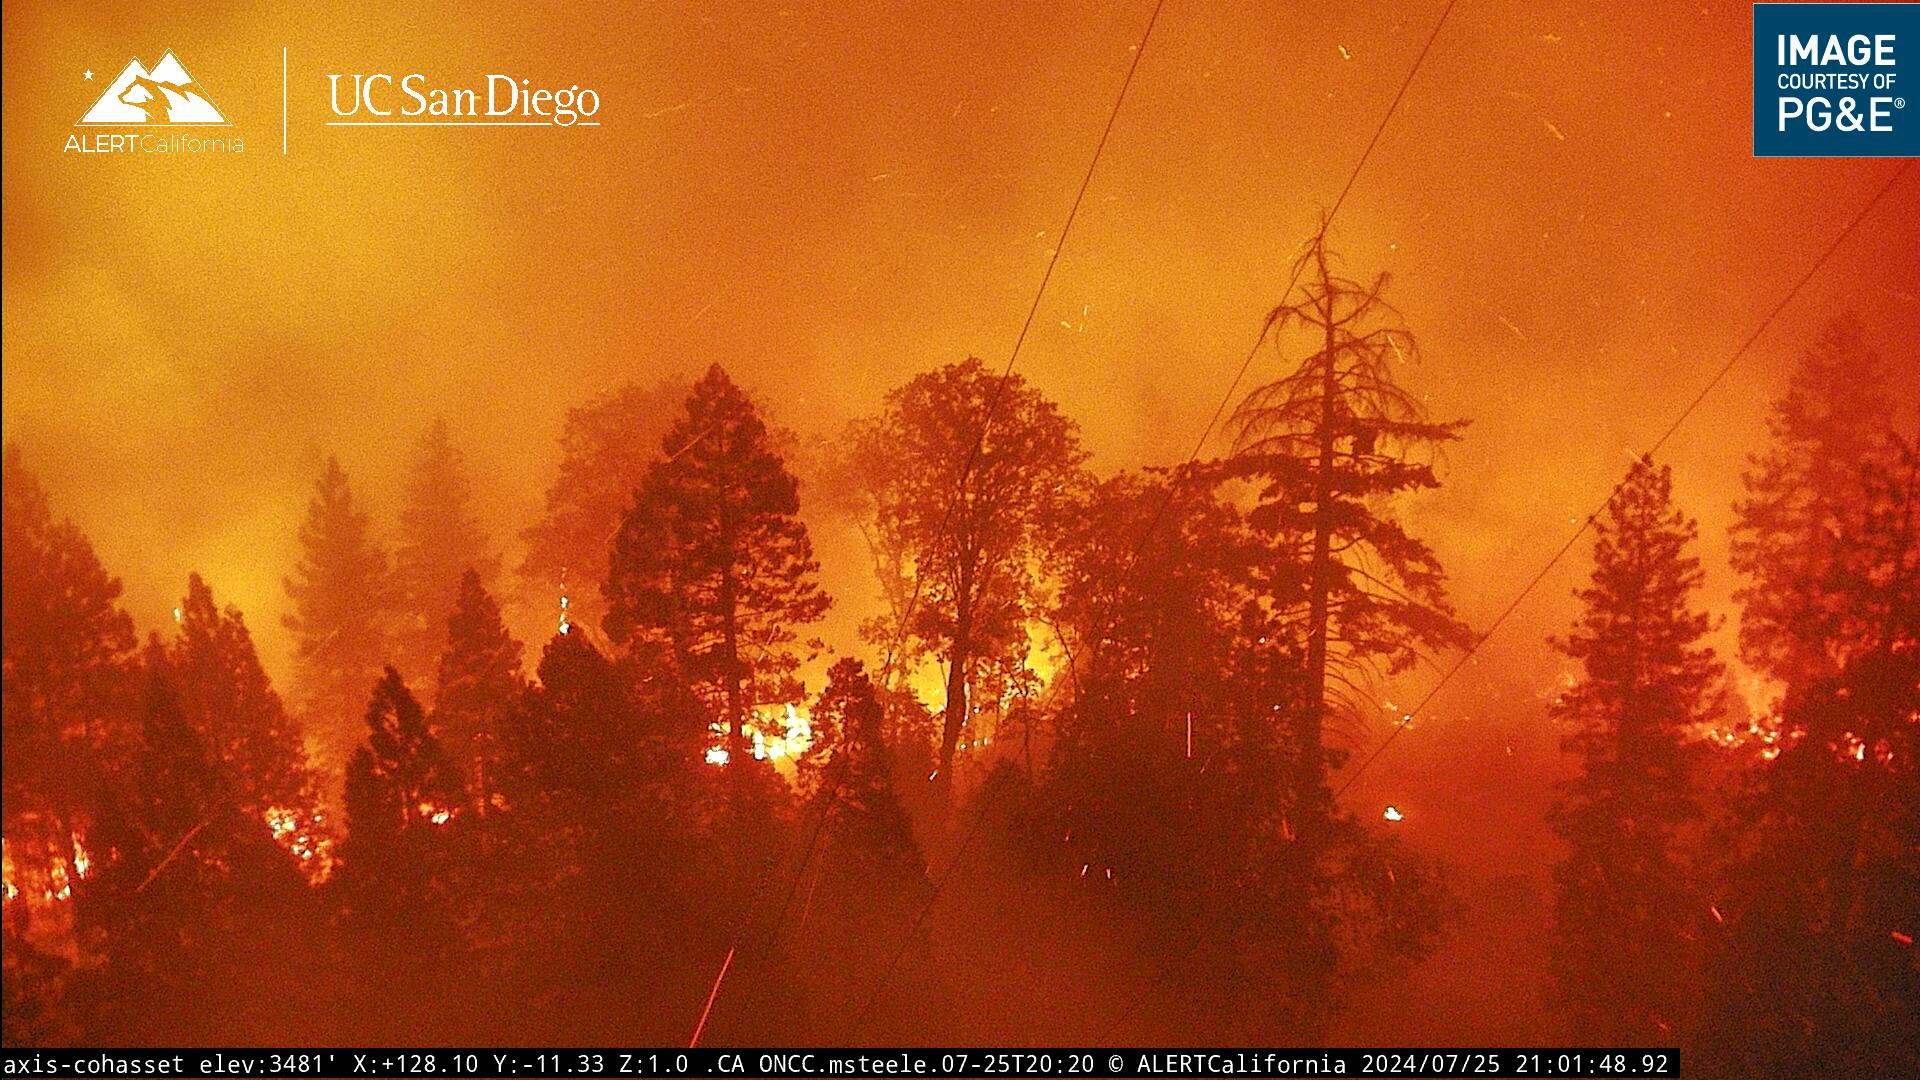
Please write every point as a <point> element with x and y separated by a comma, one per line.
<point>1827,80</point>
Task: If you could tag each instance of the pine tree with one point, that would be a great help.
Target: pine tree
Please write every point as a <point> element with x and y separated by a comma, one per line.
<point>850,768</point>
<point>181,875</point>
<point>577,738</point>
<point>1835,418</point>
<point>232,707</point>
<point>69,716</point>
<point>1344,595</point>
<point>606,801</point>
<point>402,796</point>
<point>1154,642</point>
<point>1326,444</point>
<point>342,597</point>
<point>961,473</point>
<point>713,561</point>
<point>480,683</point>
<point>69,654</point>
<point>1173,770</point>
<point>1813,972</point>
<point>179,789</point>
<point>440,541</point>
<point>607,446</point>
<point>1626,912</point>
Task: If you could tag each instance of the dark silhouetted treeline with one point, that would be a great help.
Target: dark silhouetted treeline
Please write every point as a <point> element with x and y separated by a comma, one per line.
<point>1115,818</point>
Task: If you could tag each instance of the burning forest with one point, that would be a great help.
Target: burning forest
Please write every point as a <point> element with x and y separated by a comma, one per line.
<point>1328,644</point>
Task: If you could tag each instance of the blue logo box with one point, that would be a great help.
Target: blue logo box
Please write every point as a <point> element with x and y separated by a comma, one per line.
<point>1832,80</point>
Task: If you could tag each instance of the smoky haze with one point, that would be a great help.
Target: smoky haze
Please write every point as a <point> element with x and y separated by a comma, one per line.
<point>828,198</point>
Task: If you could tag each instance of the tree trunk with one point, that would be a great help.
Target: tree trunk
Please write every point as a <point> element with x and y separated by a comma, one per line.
<point>1313,723</point>
<point>958,659</point>
<point>736,705</point>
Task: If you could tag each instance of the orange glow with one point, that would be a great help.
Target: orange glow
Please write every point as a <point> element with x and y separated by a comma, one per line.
<point>302,836</point>
<point>828,199</point>
<point>9,888</point>
<point>778,735</point>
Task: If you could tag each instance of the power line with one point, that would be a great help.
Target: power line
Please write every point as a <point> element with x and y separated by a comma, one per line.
<point>833,788</point>
<point>1172,488</point>
<point>919,920</point>
<point>1561,553</point>
<point>1246,364</point>
<point>1587,522</point>
<point>1033,310</point>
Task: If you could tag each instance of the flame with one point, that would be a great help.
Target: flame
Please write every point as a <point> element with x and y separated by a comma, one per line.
<point>303,840</point>
<point>786,734</point>
<point>1763,732</point>
<point>59,885</point>
<point>1392,813</point>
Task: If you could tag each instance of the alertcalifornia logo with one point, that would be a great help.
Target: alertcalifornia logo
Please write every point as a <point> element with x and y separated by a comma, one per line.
<point>165,96</point>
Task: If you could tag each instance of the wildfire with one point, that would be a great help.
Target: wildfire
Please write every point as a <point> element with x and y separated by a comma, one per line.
<point>63,866</point>
<point>302,839</point>
<point>1758,731</point>
<point>59,885</point>
<point>786,734</point>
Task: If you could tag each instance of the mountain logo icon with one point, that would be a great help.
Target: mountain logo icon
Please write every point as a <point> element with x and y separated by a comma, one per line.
<point>161,96</point>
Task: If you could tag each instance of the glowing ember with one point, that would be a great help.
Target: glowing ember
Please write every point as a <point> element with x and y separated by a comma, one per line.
<point>1392,813</point>
<point>1904,939</point>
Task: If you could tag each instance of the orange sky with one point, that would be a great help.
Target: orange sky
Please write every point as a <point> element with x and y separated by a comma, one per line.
<point>828,197</point>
